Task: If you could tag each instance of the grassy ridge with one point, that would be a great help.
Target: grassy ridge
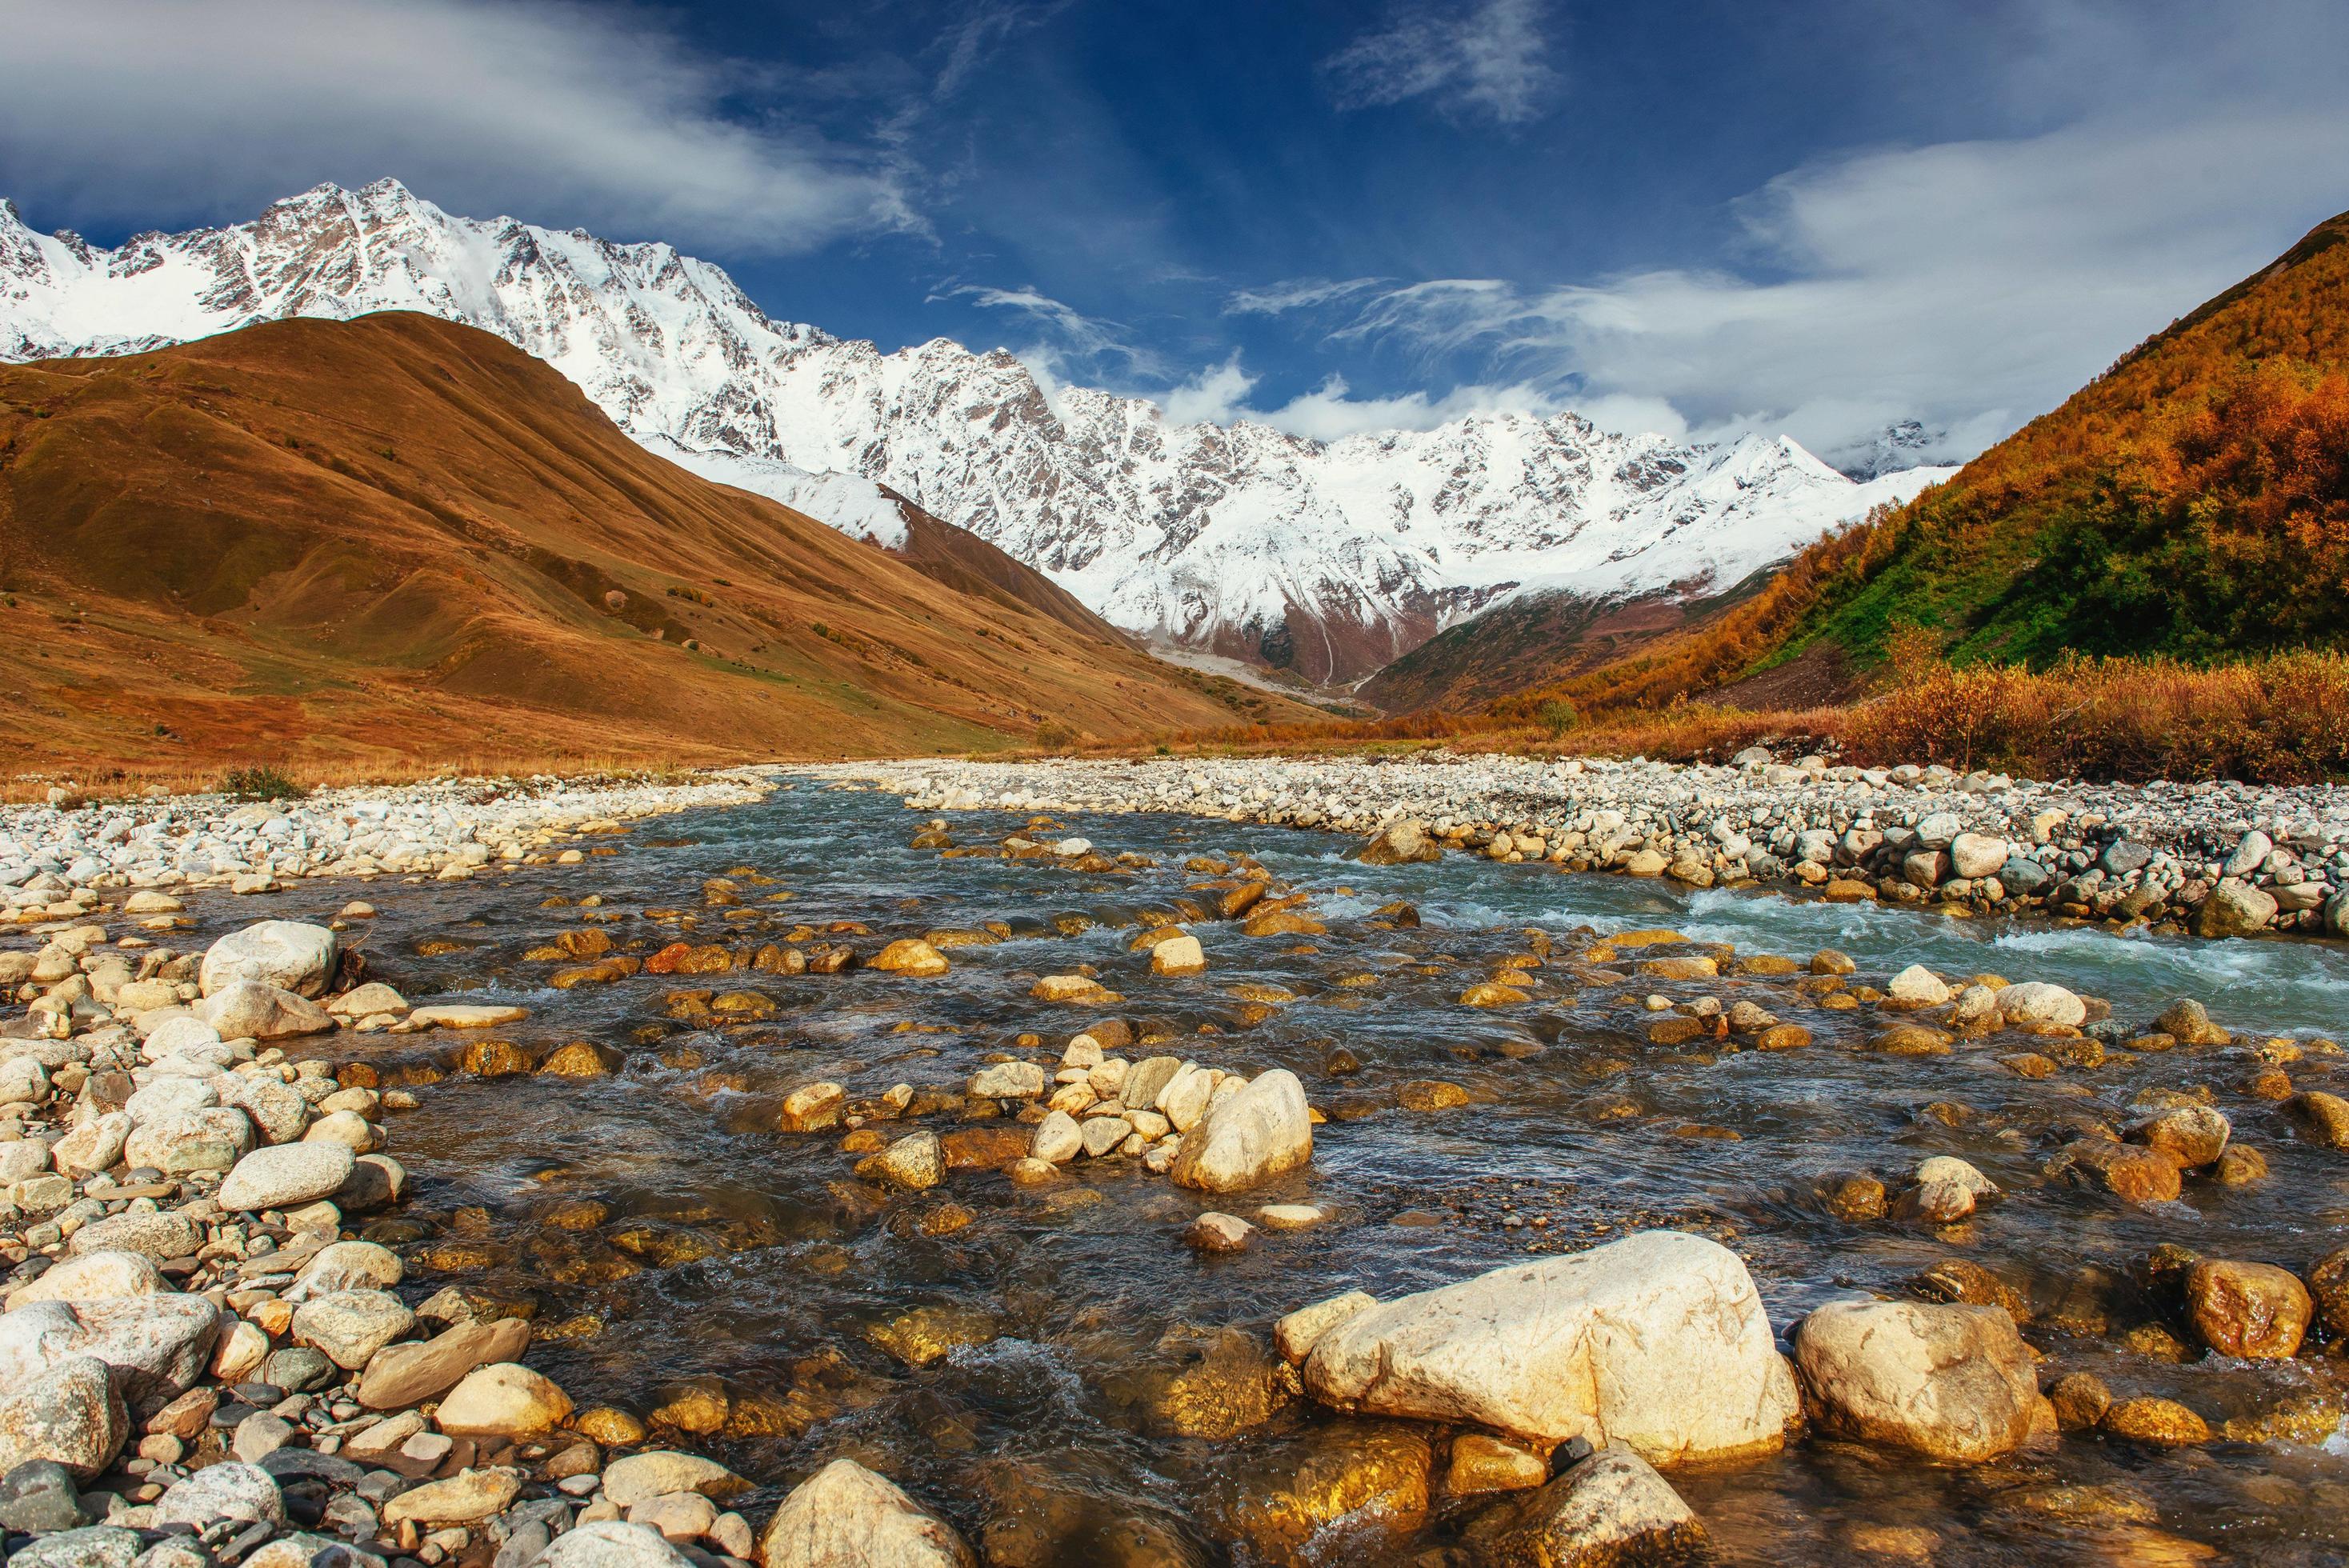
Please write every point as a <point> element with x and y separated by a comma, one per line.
<point>2191,504</point>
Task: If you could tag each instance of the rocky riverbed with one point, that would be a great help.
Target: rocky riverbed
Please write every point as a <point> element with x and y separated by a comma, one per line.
<point>69,854</point>
<point>2220,859</point>
<point>811,1180</point>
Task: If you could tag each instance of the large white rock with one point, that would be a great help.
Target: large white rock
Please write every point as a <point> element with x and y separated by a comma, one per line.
<point>1918,984</point>
<point>213,1139</point>
<point>226,1490</point>
<point>347,1265</point>
<point>169,1096</point>
<point>157,1344</point>
<point>278,1109</point>
<point>69,1412</point>
<point>250,1010</point>
<point>640,1478</point>
<point>1952,1382</point>
<point>1255,1134</point>
<point>351,1326</point>
<point>284,1174</point>
<point>93,1147</point>
<point>287,954</point>
<point>612,1544</point>
<point>1977,855</point>
<point>96,1276</point>
<point>1657,1341</point>
<point>2037,1002</point>
<point>182,1034</point>
<point>844,1514</point>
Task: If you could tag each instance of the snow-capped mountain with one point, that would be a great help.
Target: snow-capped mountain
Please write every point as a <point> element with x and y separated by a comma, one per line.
<point>1327,557</point>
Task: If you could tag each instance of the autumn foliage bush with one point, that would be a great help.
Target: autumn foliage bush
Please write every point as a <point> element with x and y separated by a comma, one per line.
<point>2284,719</point>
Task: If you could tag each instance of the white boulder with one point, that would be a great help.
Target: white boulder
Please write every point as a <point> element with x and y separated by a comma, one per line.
<point>1657,1341</point>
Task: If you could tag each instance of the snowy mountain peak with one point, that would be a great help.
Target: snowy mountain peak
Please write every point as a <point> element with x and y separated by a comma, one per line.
<point>1332,557</point>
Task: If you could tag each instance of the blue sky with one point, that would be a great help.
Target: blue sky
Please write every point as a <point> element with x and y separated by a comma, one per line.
<point>1701,218</point>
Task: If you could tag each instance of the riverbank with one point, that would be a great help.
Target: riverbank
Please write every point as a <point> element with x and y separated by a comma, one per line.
<point>2220,859</point>
<point>64,856</point>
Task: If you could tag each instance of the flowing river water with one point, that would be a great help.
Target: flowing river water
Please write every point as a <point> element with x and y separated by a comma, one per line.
<point>1053,1369</point>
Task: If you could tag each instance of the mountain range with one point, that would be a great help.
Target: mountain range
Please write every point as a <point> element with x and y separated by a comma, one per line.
<point>1327,559</point>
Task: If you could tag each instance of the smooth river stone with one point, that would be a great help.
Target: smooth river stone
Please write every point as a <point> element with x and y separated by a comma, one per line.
<point>1657,1341</point>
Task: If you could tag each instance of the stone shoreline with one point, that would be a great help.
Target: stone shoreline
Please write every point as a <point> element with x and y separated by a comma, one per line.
<point>2218,858</point>
<point>62,858</point>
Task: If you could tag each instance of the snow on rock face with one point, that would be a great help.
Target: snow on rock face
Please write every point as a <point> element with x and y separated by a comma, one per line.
<point>1226,537</point>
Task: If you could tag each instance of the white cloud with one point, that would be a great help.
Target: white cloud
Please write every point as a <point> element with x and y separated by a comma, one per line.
<point>1072,348</point>
<point>1219,395</point>
<point>1297,294</point>
<point>127,110</point>
<point>1969,284</point>
<point>1215,396</point>
<point>1489,61</point>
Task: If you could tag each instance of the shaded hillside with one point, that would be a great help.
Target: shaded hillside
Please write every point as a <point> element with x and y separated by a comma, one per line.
<point>2193,500</point>
<point>398,537</point>
<point>1524,641</point>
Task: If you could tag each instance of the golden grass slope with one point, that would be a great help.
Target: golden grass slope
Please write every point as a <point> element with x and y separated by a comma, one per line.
<point>398,539</point>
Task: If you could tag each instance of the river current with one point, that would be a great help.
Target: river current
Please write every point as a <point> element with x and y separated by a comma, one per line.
<point>1055,1370</point>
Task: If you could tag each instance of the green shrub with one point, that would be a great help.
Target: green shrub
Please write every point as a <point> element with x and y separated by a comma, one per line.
<point>261,784</point>
<point>1558,716</point>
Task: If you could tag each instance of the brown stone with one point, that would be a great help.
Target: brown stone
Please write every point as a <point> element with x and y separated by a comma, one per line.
<point>399,1376</point>
<point>1910,1040</point>
<point>582,1060</point>
<point>2159,1423</point>
<point>1430,1095</point>
<point>2257,1311</point>
<point>1853,1195</point>
<point>1284,1497</point>
<point>2323,1117</point>
<point>1967,1282</point>
<point>1482,1463</point>
<point>813,1108</point>
<point>2080,1400</point>
<point>586,942</point>
<point>1675,1029</point>
<point>984,1148</point>
<point>2136,1173</point>
<point>494,1059</point>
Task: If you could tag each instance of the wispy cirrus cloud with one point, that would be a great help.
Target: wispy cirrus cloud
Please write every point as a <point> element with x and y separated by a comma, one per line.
<point>571,113</point>
<point>1065,346</point>
<point>1297,294</point>
<point>1488,59</point>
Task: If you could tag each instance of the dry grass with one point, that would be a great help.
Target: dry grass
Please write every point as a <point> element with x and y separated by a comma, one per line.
<point>112,782</point>
<point>2281,720</point>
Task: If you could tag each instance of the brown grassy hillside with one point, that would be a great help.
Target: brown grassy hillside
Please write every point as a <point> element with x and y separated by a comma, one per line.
<point>2191,502</point>
<point>401,538</point>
